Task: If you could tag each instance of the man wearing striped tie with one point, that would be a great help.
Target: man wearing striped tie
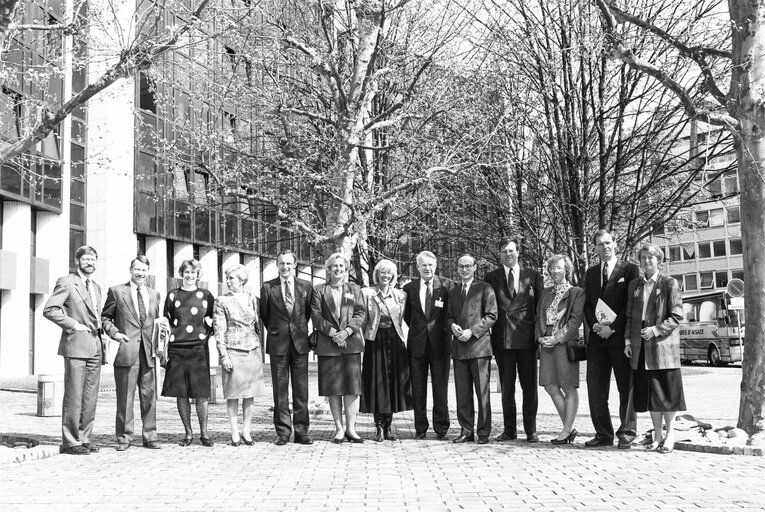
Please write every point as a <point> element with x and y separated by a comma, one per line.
<point>285,308</point>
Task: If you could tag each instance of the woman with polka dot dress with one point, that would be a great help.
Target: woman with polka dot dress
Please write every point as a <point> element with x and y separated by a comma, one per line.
<point>190,311</point>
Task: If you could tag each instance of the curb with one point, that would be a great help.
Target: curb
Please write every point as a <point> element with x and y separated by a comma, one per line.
<point>720,449</point>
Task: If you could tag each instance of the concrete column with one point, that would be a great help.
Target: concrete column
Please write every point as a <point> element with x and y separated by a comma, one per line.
<point>253,269</point>
<point>156,251</point>
<point>270,270</point>
<point>208,258</point>
<point>14,313</point>
<point>181,251</point>
<point>319,275</point>
<point>229,260</point>
<point>305,272</point>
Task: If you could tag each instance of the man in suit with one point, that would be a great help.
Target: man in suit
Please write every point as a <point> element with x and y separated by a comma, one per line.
<point>74,306</point>
<point>428,344</point>
<point>128,317</point>
<point>472,310</point>
<point>512,338</point>
<point>285,308</point>
<point>608,281</point>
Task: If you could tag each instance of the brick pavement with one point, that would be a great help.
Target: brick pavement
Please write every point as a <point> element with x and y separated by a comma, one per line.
<point>402,475</point>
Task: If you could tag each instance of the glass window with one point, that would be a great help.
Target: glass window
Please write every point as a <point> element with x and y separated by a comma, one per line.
<point>702,218</point>
<point>146,214</point>
<point>674,253</point>
<point>202,226</point>
<point>705,250</point>
<point>52,186</point>
<point>144,178</point>
<point>76,239</point>
<point>179,184</point>
<point>10,178</point>
<point>735,246</point>
<point>719,247</point>
<point>77,215</point>
<point>737,274</point>
<point>706,280</point>
<point>716,217</point>
<point>734,214</point>
<point>721,278</point>
<point>730,183</point>
<point>78,191</point>
<point>679,279</point>
<point>715,188</point>
<point>690,282</point>
<point>708,311</point>
<point>689,251</point>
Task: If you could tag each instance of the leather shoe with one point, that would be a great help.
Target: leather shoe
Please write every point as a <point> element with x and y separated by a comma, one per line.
<point>441,436</point>
<point>338,440</point>
<point>598,441</point>
<point>352,439</point>
<point>532,438</point>
<point>281,441</point>
<point>206,441</point>
<point>152,445</point>
<point>419,435</point>
<point>624,443</point>
<point>505,436</point>
<point>122,447</point>
<point>91,447</point>
<point>75,450</point>
<point>483,440</point>
<point>464,438</point>
<point>303,440</point>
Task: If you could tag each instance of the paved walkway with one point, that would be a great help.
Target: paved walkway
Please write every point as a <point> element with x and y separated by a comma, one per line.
<point>401,475</point>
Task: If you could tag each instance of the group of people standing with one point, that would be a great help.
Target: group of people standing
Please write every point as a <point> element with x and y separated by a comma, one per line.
<point>405,336</point>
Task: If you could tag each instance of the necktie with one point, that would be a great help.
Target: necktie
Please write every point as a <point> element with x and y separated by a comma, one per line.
<point>93,301</point>
<point>510,284</point>
<point>604,277</point>
<point>464,292</point>
<point>288,302</point>
<point>141,306</point>
<point>428,297</point>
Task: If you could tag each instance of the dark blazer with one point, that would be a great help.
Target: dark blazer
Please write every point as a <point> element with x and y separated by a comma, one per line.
<point>282,327</point>
<point>433,329</point>
<point>70,303</point>
<point>665,312</point>
<point>572,305</point>
<point>478,313</point>
<point>120,315</point>
<point>352,314</point>
<point>615,296</point>
<point>514,328</point>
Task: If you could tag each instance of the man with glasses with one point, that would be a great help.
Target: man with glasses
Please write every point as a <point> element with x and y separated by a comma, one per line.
<point>472,310</point>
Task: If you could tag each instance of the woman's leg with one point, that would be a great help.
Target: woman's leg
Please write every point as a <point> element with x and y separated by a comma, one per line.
<point>248,408</point>
<point>558,400</point>
<point>184,411</point>
<point>658,435</point>
<point>336,408</point>
<point>232,406</point>
<point>669,421</point>
<point>351,403</point>
<point>202,416</point>
<point>571,408</point>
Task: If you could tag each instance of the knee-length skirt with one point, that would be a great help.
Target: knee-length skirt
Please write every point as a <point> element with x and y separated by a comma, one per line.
<point>340,375</point>
<point>188,372</point>
<point>245,380</point>
<point>657,390</point>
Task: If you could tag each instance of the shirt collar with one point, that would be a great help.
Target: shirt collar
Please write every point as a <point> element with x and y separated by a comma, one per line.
<point>134,286</point>
<point>516,269</point>
<point>286,281</point>
<point>468,283</point>
<point>652,278</point>
<point>612,262</point>
<point>82,276</point>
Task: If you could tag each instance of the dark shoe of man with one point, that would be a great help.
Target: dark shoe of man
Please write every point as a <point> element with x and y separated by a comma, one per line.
<point>464,438</point>
<point>483,440</point>
<point>441,436</point>
<point>303,440</point>
<point>75,450</point>
<point>624,443</point>
<point>532,438</point>
<point>281,441</point>
<point>598,441</point>
<point>122,447</point>
<point>420,435</point>
<point>91,447</point>
<point>506,436</point>
<point>152,445</point>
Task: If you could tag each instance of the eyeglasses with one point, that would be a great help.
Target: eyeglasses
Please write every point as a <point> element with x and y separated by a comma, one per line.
<point>465,267</point>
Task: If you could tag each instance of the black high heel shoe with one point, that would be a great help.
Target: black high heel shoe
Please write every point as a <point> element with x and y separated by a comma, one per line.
<point>248,442</point>
<point>186,441</point>
<point>566,440</point>
<point>352,439</point>
<point>206,441</point>
<point>236,443</point>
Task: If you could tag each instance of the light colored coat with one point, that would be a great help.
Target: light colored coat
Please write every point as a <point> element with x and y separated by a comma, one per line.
<point>69,304</point>
<point>665,312</point>
<point>395,302</point>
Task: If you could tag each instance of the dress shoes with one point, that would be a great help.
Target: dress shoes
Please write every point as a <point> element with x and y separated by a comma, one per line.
<point>281,441</point>
<point>122,447</point>
<point>566,440</point>
<point>206,441</point>
<point>441,436</point>
<point>186,441</point>
<point>483,440</point>
<point>338,440</point>
<point>91,447</point>
<point>506,436</point>
<point>598,441</point>
<point>532,438</point>
<point>75,450</point>
<point>624,443</point>
<point>152,445</point>
<point>464,438</point>
<point>301,440</point>
<point>248,442</point>
<point>419,435</point>
<point>352,439</point>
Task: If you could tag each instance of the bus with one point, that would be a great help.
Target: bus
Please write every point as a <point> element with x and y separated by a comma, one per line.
<point>712,330</point>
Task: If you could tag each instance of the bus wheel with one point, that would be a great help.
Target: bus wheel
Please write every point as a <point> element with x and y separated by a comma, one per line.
<point>714,357</point>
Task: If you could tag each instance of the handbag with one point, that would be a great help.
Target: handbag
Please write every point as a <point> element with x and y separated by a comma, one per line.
<point>577,352</point>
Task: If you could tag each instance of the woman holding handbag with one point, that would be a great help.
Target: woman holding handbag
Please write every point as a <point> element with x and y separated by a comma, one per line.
<point>559,314</point>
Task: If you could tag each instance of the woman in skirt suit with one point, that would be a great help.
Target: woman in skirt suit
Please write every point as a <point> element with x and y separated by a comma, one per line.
<point>237,335</point>
<point>652,342</point>
<point>338,313</point>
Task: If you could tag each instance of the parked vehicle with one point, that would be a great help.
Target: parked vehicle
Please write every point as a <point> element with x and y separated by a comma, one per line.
<point>712,330</point>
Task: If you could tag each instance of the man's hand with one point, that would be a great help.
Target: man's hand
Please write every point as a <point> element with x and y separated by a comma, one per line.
<point>647,333</point>
<point>628,351</point>
<point>122,338</point>
<point>466,335</point>
<point>456,330</point>
<point>602,330</point>
<point>80,327</point>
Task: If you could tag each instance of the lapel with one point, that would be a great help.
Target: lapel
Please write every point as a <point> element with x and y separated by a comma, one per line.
<point>464,304</point>
<point>83,292</point>
<point>279,296</point>
<point>654,295</point>
<point>127,298</point>
<point>331,303</point>
<point>435,295</point>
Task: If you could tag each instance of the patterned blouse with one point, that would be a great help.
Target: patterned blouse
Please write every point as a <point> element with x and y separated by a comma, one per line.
<point>552,315</point>
<point>190,316</point>
<point>236,323</point>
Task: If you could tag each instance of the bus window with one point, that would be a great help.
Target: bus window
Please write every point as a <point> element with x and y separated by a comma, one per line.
<point>708,311</point>
<point>689,313</point>
<point>734,316</point>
